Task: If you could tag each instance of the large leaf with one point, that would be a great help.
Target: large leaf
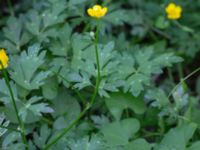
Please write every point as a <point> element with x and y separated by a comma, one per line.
<point>25,68</point>
<point>178,137</point>
<point>118,133</point>
<point>194,146</point>
<point>119,102</point>
<point>66,109</point>
<point>15,36</point>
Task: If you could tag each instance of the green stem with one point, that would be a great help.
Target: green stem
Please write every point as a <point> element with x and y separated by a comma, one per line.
<point>161,33</point>
<point>180,70</point>
<point>60,135</point>
<point>184,79</point>
<point>91,102</point>
<point>4,72</point>
<point>10,7</point>
<point>127,113</point>
<point>150,134</point>
<point>184,28</point>
<point>170,75</point>
<point>162,125</point>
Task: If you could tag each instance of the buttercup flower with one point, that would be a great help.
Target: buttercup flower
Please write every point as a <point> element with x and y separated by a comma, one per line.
<point>173,11</point>
<point>97,11</point>
<point>4,59</point>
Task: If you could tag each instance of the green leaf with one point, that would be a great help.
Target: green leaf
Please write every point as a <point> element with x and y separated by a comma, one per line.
<point>61,43</point>
<point>3,122</point>
<point>159,98</point>
<point>41,138</point>
<point>34,22</point>
<point>161,22</point>
<point>194,146</point>
<point>118,17</point>
<point>138,144</point>
<point>25,68</point>
<point>100,121</point>
<point>66,108</point>
<point>119,102</point>
<point>118,133</point>
<point>55,13</point>
<point>165,60</point>
<point>87,143</point>
<point>33,108</point>
<point>135,83</point>
<point>15,35</point>
<point>76,2</point>
<point>198,86</point>
<point>50,88</point>
<point>4,92</point>
<point>12,141</point>
<point>178,137</point>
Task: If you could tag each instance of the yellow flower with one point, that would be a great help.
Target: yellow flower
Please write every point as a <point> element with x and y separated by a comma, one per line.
<point>3,58</point>
<point>97,11</point>
<point>173,11</point>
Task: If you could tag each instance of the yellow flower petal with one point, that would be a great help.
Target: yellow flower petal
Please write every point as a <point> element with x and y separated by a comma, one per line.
<point>178,9</point>
<point>104,10</point>
<point>90,12</point>
<point>3,58</point>
<point>173,11</point>
<point>97,7</point>
<point>97,11</point>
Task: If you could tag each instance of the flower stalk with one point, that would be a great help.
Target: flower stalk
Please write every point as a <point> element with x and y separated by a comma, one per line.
<point>100,13</point>
<point>22,129</point>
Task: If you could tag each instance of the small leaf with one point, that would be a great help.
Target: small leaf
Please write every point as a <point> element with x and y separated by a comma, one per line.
<point>41,139</point>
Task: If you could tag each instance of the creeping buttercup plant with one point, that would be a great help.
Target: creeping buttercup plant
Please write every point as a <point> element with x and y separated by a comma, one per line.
<point>99,75</point>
